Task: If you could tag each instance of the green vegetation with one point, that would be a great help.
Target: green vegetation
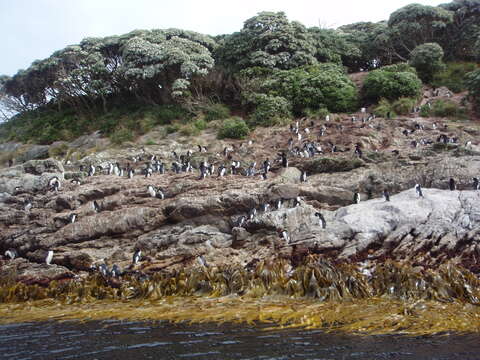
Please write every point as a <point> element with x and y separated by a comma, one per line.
<point>234,128</point>
<point>453,76</point>
<point>269,70</point>
<point>444,108</point>
<point>427,59</point>
<point>473,86</point>
<point>390,85</point>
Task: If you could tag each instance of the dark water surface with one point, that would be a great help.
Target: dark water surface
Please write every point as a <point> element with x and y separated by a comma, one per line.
<point>139,340</point>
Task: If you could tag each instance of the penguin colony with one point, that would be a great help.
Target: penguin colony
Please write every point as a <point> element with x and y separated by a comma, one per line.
<point>298,145</point>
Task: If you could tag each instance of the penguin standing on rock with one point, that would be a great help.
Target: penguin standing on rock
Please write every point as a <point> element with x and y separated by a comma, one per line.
<point>28,206</point>
<point>452,185</point>
<point>386,195</point>
<point>475,183</point>
<point>49,257</point>
<point>321,220</point>
<point>72,217</point>
<point>137,256</point>
<point>284,160</point>
<point>96,207</point>
<point>252,214</point>
<point>116,272</point>
<point>91,170</point>
<point>418,190</point>
<point>303,176</point>
<point>284,235</point>
<point>356,198</point>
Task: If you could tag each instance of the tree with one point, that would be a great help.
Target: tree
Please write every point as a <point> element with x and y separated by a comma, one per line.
<point>267,40</point>
<point>427,60</point>
<point>416,24</point>
<point>473,85</point>
<point>462,33</point>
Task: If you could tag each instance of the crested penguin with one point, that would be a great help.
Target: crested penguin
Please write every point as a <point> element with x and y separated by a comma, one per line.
<point>264,176</point>
<point>284,160</point>
<point>252,214</point>
<point>91,170</point>
<point>240,221</point>
<point>418,190</point>
<point>130,173</point>
<point>321,220</point>
<point>28,206</point>
<point>49,257</point>
<point>303,176</point>
<point>103,270</point>
<point>284,235</point>
<point>265,207</point>
<point>356,198</point>
<point>386,195</point>
<point>96,207</point>
<point>54,183</point>
<point>151,190</point>
<point>452,185</point>
<point>72,218</point>
<point>11,253</point>
<point>222,170</point>
<point>278,204</point>
<point>116,272</point>
<point>137,257</point>
<point>475,183</point>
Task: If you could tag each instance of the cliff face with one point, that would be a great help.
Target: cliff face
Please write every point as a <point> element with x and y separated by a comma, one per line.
<point>199,217</point>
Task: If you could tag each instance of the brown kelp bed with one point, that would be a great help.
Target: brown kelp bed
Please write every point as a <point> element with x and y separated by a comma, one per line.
<point>386,298</point>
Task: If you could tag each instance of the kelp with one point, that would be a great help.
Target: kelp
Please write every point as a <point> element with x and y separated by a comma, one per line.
<point>389,297</point>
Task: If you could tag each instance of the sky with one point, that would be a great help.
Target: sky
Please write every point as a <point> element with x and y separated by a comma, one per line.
<point>34,29</point>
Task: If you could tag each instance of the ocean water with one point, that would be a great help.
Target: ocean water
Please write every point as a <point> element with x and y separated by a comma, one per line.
<point>163,340</point>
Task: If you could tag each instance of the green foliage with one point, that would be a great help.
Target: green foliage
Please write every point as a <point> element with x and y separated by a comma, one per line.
<point>121,135</point>
<point>170,129</point>
<point>270,110</point>
<point>189,130</point>
<point>400,67</point>
<point>473,85</point>
<point>383,108</point>
<point>314,87</point>
<point>234,128</point>
<point>427,59</point>
<point>318,114</point>
<point>268,40</point>
<point>216,112</point>
<point>404,106</point>
<point>390,85</point>
<point>443,108</point>
<point>200,123</point>
<point>453,76</point>
<point>58,151</point>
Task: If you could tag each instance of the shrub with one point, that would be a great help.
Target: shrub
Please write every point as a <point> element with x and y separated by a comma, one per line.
<point>404,106</point>
<point>216,112</point>
<point>390,85</point>
<point>383,108</point>
<point>314,87</point>
<point>400,67</point>
<point>121,135</point>
<point>165,114</point>
<point>427,60</point>
<point>200,123</point>
<point>60,150</point>
<point>445,108</point>
<point>234,128</point>
<point>189,130</point>
<point>316,114</point>
<point>473,85</point>
<point>270,110</point>
<point>453,76</point>
<point>172,128</point>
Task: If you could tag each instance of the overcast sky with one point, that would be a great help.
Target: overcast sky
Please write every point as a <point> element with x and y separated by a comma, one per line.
<point>34,29</point>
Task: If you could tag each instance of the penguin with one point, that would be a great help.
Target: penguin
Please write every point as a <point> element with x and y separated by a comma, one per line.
<point>91,170</point>
<point>148,171</point>
<point>130,173</point>
<point>358,151</point>
<point>452,185</point>
<point>152,191</point>
<point>10,162</point>
<point>159,195</point>
<point>284,235</point>
<point>252,214</point>
<point>76,182</point>
<point>240,221</point>
<point>386,195</point>
<point>96,207</point>
<point>72,218</point>
<point>356,198</point>
<point>265,207</point>
<point>222,170</point>
<point>284,160</point>
<point>28,206</point>
<point>54,183</point>
<point>475,183</point>
<point>264,176</point>
<point>116,272</point>
<point>11,253</point>
<point>327,118</point>
<point>303,176</point>
<point>418,190</point>
<point>137,257</point>
<point>103,270</point>
<point>266,166</point>
<point>278,204</point>
<point>321,220</point>
<point>201,261</point>
<point>110,169</point>
<point>49,257</point>
<point>297,201</point>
